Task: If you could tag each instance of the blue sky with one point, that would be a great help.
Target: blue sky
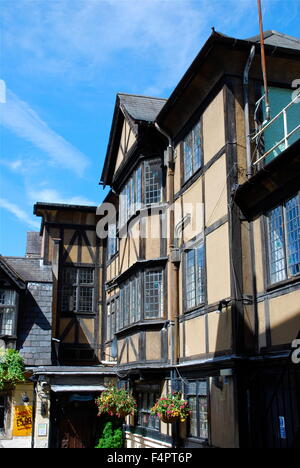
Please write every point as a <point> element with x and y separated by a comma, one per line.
<point>63,61</point>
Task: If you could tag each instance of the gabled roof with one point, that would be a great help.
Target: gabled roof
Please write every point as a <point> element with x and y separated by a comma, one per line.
<point>13,275</point>
<point>137,110</point>
<point>141,108</point>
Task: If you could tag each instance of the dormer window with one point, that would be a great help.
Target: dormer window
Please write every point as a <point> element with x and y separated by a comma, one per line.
<point>8,312</point>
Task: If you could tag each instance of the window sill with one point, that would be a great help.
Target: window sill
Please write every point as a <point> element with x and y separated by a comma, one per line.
<point>286,282</point>
<point>141,325</point>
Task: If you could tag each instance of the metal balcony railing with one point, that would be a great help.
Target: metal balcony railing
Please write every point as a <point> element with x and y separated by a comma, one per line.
<point>284,142</point>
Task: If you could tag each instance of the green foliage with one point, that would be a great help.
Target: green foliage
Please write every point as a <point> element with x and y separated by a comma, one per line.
<point>111,434</point>
<point>12,368</point>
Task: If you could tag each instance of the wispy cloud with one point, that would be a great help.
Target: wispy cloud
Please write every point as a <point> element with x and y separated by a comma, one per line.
<point>19,213</point>
<point>53,196</point>
<point>18,117</point>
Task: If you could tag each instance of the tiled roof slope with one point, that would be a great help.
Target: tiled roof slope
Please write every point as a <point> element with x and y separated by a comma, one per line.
<point>31,269</point>
<point>141,108</point>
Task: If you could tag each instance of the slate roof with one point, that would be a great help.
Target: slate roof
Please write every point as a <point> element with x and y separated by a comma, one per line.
<point>30,269</point>
<point>12,273</point>
<point>277,39</point>
<point>141,108</point>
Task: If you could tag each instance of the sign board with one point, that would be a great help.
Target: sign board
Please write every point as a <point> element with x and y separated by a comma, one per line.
<point>22,421</point>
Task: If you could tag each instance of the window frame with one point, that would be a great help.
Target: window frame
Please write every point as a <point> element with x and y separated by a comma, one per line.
<point>112,309</point>
<point>288,276</point>
<point>200,244</point>
<point>139,391</point>
<point>112,245</point>
<point>199,438</point>
<point>187,176</point>
<point>131,201</point>
<point>14,310</point>
<point>125,297</point>
<point>78,286</point>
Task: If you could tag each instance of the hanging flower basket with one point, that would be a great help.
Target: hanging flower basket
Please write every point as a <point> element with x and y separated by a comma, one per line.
<point>116,402</point>
<point>171,408</point>
<point>169,419</point>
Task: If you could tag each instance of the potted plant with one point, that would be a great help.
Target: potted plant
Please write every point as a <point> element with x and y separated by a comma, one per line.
<point>171,408</point>
<point>12,368</point>
<point>116,402</point>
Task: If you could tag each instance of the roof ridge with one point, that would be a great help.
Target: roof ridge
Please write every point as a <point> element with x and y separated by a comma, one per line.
<point>142,96</point>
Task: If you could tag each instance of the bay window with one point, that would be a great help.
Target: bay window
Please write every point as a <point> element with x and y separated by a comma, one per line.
<point>8,312</point>
<point>141,298</point>
<point>284,240</point>
<point>144,187</point>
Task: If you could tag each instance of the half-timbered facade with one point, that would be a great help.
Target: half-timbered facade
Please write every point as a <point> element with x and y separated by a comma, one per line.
<point>211,307</point>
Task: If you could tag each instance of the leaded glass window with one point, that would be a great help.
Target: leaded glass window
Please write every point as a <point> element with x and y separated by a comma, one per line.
<point>78,290</point>
<point>112,241</point>
<point>153,294</point>
<point>284,240</point>
<point>8,312</point>
<point>152,182</point>
<point>194,277</point>
<point>146,396</point>
<point>141,297</point>
<point>132,197</point>
<point>192,152</point>
<point>196,392</point>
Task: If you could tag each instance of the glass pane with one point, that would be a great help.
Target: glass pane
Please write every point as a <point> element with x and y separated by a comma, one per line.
<point>139,188</point>
<point>153,294</point>
<point>293,235</point>
<point>190,279</point>
<point>152,182</point>
<point>7,321</point>
<point>203,417</point>
<point>193,418</point>
<point>197,147</point>
<point>7,297</point>
<point>276,245</point>
<point>200,275</point>
<point>188,157</point>
<point>85,300</point>
<point>86,276</point>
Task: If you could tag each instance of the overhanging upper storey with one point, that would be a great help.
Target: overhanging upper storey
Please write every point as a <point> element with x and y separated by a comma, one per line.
<point>132,115</point>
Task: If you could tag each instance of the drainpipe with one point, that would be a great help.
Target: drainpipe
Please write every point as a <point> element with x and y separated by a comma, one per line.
<point>174,280</point>
<point>174,273</point>
<point>246,111</point>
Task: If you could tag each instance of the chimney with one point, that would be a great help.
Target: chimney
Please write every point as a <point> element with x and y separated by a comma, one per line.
<point>33,245</point>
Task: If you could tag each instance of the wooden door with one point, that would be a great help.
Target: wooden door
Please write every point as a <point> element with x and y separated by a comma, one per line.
<point>77,426</point>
